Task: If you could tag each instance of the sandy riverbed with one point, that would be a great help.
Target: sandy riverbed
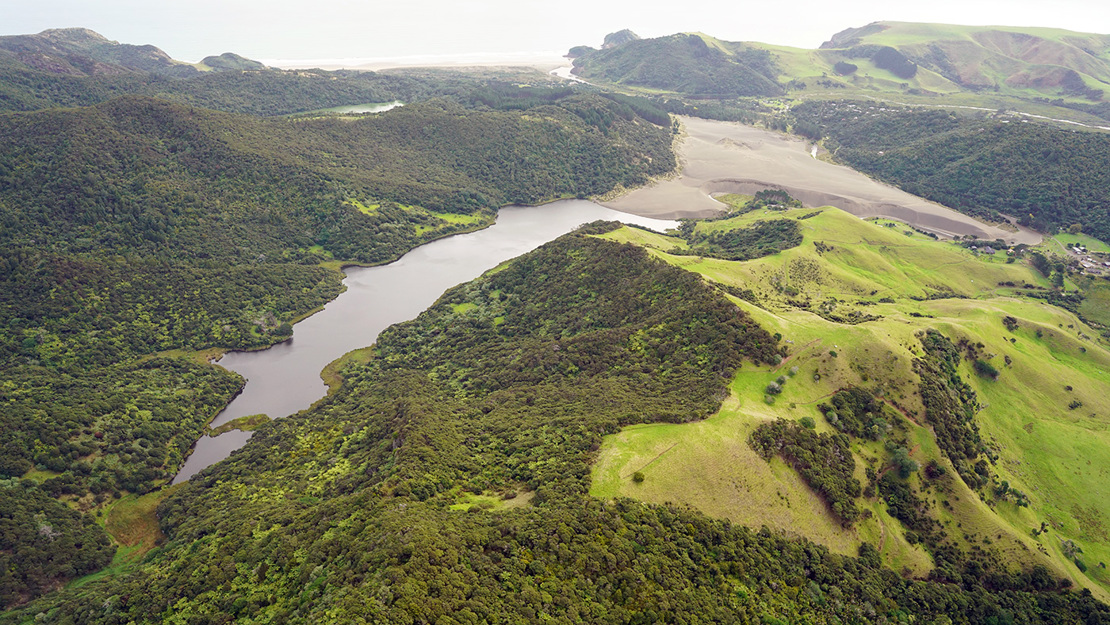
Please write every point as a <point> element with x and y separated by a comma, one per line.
<point>725,157</point>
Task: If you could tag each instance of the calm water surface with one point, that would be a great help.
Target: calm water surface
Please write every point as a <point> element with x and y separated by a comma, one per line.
<point>285,379</point>
<point>363,108</point>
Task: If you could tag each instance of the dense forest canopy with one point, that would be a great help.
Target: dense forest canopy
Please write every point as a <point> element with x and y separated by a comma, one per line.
<point>1046,177</point>
<point>138,226</point>
<point>395,500</point>
<point>684,64</point>
<point>78,67</point>
<point>124,174</point>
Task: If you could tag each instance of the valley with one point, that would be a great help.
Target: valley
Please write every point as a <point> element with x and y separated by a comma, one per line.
<point>722,157</point>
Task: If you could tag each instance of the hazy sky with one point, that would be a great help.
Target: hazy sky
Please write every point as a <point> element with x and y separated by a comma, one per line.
<point>331,29</point>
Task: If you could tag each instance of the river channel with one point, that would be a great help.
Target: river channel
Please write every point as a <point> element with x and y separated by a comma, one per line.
<point>285,378</point>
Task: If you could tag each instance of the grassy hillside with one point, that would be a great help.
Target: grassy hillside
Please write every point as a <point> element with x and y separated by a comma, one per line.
<point>851,303</point>
<point>1016,61</point>
<point>394,500</point>
<point>1054,73</point>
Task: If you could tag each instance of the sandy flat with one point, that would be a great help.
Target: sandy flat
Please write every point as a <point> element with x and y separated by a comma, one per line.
<point>725,157</point>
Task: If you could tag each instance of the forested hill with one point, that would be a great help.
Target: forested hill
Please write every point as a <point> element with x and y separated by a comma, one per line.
<point>446,482</point>
<point>144,175</point>
<point>258,92</point>
<point>1046,177</point>
<point>689,64</point>
<point>78,67</point>
<point>139,226</point>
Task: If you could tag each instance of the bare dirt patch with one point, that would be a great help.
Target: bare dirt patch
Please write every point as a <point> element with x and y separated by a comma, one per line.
<point>724,157</point>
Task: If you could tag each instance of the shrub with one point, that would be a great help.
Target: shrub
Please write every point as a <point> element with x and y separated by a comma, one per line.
<point>824,461</point>
<point>986,369</point>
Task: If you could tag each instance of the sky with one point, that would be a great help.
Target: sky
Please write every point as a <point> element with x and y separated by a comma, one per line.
<point>474,30</point>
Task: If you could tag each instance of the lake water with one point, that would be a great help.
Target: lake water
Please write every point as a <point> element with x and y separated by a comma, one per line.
<point>285,378</point>
<point>372,107</point>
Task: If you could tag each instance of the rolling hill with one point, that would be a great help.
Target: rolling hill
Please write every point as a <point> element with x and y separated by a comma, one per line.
<point>447,480</point>
<point>854,302</point>
<point>78,67</point>
<point>691,64</point>
<point>1030,69</point>
<point>82,52</point>
<point>1002,59</point>
<point>1045,177</point>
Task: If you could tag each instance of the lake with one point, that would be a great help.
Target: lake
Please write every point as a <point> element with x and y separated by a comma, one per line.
<point>372,107</point>
<point>285,378</point>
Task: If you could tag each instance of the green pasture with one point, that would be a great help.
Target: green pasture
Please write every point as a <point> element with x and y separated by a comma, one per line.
<point>1069,240</point>
<point>1058,455</point>
<point>471,221</point>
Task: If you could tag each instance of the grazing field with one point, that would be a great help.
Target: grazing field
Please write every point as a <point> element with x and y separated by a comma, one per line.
<point>1092,244</point>
<point>849,303</point>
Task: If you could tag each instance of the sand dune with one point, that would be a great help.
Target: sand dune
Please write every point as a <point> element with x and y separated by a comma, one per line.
<point>724,157</point>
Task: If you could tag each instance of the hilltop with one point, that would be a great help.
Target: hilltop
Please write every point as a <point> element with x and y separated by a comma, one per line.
<point>994,58</point>
<point>83,52</point>
<point>231,61</point>
<point>79,67</point>
<point>1028,68</point>
<point>691,64</point>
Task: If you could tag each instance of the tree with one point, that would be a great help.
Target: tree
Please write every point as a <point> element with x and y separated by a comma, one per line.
<point>1041,263</point>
